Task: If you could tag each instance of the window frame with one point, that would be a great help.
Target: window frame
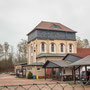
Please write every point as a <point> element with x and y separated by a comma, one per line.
<point>70,48</point>
<point>61,48</point>
<point>41,50</point>
<point>38,68</point>
<point>54,48</point>
<point>56,27</point>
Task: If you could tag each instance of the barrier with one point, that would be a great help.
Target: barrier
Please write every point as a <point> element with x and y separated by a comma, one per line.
<point>47,86</point>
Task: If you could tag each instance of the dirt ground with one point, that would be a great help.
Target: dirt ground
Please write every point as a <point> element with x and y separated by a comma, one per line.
<point>6,79</point>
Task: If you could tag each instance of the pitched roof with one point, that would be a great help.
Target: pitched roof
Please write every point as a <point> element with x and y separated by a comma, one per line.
<point>83,50</point>
<point>84,61</point>
<point>61,63</point>
<point>48,26</point>
<point>36,64</point>
<point>81,53</point>
<point>22,64</point>
<point>56,63</point>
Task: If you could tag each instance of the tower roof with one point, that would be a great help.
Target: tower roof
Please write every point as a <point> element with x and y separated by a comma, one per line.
<point>52,26</point>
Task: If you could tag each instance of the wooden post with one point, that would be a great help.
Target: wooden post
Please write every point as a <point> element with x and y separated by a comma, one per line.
<point>61,75</point>
<point>22,71</point>
<point>79,74</point>
<point>45,73</point>
<point>52,73</point>
<point>74,75</point>
<point>86,72</point>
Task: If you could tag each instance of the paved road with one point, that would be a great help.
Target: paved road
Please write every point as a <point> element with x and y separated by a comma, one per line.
<point>6,79</point>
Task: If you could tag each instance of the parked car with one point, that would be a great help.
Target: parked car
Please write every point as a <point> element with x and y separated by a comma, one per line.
<point>4,73</point>
<point>83,76</point>
<point>12,73</point>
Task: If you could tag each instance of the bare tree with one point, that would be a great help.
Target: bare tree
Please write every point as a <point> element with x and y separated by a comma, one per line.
<point>86,43</point>
<point>6,49</point>
<point>22,50</point>
<point>6,64</point>
<point>1,50</point>
<point>82,43</point>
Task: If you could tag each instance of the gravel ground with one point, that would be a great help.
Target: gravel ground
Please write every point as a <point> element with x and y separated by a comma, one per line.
<point>6,79</point>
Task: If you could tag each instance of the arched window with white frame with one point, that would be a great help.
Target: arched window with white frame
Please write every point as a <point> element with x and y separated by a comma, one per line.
<point>71,48</point>
<point>43,47</point>
<point>52,48</point>
<point>31,49</point>
<point>62,48</point>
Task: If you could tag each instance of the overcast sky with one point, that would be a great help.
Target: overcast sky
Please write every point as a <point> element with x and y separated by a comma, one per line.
<point>18,17</point>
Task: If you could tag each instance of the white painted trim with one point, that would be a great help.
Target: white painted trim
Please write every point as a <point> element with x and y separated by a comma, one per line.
<point>54,48</point>
<point>39,70</point>
<point>72,48</point>
<point>41,48</point>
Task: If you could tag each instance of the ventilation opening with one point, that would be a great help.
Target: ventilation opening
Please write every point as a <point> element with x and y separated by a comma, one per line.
<point>56,26</point>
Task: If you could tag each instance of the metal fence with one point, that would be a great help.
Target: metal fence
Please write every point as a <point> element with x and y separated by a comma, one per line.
<point>47,86</point>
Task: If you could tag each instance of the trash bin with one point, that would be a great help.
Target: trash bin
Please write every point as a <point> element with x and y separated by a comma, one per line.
<point>34,76</point>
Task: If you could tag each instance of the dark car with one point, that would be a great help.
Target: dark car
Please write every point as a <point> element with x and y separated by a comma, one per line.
<point>83,76</point>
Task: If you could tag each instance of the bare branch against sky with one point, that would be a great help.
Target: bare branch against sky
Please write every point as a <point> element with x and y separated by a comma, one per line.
<point>18,17</point>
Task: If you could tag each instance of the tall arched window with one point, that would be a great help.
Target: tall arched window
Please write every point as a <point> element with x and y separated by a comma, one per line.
<point>43,47</point>
<point>52,47</point>
<point>62,48</point>
<point>70,48</point>
<point>31,49</point>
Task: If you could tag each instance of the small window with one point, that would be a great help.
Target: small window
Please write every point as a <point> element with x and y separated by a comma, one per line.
<point>56,26</point>
<point>38,69</point>
<point>70,48</point>
<point>52,47</point>
<point>34,49</point>
<point>62,47</point>
<point>42,47</point>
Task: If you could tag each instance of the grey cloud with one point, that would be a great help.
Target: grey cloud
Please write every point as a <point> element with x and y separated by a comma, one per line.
<point>18,17</point>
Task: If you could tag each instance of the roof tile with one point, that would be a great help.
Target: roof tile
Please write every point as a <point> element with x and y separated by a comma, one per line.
<point>47,26</point>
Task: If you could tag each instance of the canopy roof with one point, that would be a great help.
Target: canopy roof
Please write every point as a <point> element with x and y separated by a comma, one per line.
<point>82,62</point>
<point>56,64</point>
<point>51,55</point>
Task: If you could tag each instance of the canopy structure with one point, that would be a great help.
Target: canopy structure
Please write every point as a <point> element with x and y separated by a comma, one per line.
<point>82,62</point>
<point>56,64</point>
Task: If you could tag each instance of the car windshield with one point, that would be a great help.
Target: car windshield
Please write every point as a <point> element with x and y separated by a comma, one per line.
<point>83,73</point>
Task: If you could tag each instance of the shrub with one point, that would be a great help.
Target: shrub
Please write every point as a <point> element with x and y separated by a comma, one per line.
<point>30,75</point>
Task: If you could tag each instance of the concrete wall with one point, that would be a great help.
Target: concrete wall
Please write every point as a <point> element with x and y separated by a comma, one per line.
<point>35,71</point>
<point>44,59</point>
<point>36,46</point>
<point>68,71</point>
